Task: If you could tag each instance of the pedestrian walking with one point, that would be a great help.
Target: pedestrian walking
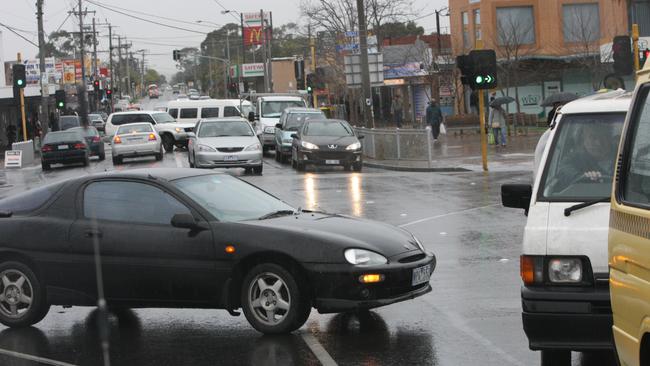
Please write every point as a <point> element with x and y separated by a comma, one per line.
<point>497,119</point>
<point>434,118</point>
<point>397,111</point>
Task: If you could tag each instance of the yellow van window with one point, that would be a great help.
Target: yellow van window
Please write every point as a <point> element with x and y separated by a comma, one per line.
<point>637,182</point>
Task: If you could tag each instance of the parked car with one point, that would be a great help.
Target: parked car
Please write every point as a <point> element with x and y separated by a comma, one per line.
<point>564,266</point>
<point>290,122</point>
<point>189,238</point>
<point>629,242</point>
<point>225,143</point>
<point>64,147</point>
<point>329,142</point>
<point>94,141</point>
<point>136,140</point>
<point>67,122</point>
<point>172,133</point>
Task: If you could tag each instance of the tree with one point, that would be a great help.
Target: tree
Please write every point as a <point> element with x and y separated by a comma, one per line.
<point>400,29</point>
<point>63,44</point>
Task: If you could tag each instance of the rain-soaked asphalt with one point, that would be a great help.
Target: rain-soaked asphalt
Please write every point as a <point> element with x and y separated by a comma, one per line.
<point>472,316</point>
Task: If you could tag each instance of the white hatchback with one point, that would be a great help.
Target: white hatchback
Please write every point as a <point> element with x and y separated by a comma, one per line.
<point>135,140</point>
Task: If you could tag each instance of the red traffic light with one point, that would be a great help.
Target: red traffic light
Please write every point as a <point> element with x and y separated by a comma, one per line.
<point>96,83</point>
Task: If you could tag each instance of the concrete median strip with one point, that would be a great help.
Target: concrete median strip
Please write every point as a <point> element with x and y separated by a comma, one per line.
<point>24,356</point>
<point>317,349</point>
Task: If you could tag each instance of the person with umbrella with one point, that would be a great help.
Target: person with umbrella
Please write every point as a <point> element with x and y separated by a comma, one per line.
<point>497,119</point>
<point>434,118</point>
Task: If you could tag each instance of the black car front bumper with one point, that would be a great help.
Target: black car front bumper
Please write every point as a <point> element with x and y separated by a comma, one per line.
<point>337,288</point>
<point>577,319</point>
<point>322,157</point>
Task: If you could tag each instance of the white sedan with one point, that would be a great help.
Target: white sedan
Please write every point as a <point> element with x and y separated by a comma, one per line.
<point>135,140</point>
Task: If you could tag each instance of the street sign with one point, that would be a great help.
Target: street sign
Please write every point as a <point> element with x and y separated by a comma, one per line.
<point>353,69</point>
<point>13,159</point>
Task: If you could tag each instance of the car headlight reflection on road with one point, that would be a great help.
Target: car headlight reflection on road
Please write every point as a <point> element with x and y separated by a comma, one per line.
<point>254,147</point>
<point>206,148</point>
<point>355,146</point>
<point>309,145</point>
<point>362,257</point>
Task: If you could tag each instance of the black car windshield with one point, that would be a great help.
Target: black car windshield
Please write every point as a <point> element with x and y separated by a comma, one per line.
<point>136,128</point>
<point>163,117</point>
<point>274,108</point>
<point>66,122</point>
<point>67,136</point>
<point>225,128</point>
<point>87,132</point>
<point>328,128</point>
<point>581,163</point>
<point>228,198</point>
<point>296,120</point>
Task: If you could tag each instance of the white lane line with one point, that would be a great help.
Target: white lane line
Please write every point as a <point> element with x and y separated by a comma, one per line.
<point>447,214</point>
<point>317,349</point>
<point>25,356</point>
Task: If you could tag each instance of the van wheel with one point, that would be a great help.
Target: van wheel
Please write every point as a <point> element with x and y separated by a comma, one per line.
<point>556,358</point>
<point>22,296</point>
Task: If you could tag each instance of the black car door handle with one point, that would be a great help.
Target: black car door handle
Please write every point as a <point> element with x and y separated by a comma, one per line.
<point>93,234</point>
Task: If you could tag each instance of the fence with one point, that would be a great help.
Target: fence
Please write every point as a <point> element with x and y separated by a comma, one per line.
<point>397,144</point>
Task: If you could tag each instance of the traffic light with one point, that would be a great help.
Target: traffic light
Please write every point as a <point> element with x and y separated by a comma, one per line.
<point>310,83</point>
<point>484,69</point>
<point>109,93</point>
<point>96,86</point>
<point>176,54</point>
<point>622,54</point>
<point>19,76</point>
<point>299,73</point>
<point>59,96</point>
<point>643,57</point>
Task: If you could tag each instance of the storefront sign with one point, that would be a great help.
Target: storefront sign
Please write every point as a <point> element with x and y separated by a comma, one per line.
<point>394,81</point>
<point>13,159</point>
<point>409,69</point>
<point>252,70</point>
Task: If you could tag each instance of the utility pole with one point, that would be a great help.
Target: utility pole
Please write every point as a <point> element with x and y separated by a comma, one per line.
<point>438,31</point>
<point>267,87</point>
<point>312,46</point>
<point>365,72</point>
<point>129,60</point>
<point>45,92</point>
<point>142,76</point>
<point>268,34</point>
<point>95,74</point>
<point>83,94</point>
<point>110,60</point>
<point>119,66</point>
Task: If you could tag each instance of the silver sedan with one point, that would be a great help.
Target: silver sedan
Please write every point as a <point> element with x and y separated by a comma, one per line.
<point>225,143</point>
<point>134,140</point>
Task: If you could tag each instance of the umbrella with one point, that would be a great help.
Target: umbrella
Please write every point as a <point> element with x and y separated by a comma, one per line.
<point>561,97</point>
<point>501,100</point>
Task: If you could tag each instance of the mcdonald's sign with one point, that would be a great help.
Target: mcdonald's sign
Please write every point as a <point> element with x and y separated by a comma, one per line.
<point>253,36</point>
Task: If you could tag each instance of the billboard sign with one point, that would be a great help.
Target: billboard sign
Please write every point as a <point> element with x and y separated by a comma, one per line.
<point>253,28</point>
<point>252,70</point>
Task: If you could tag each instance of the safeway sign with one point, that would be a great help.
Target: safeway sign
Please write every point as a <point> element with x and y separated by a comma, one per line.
<point>252,70</point>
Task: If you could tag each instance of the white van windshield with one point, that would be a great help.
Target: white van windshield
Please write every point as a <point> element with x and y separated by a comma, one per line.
<point>274,108</point>
<point>580,166</point>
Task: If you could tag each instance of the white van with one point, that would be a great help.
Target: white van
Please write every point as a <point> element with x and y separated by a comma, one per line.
<point>564,265</point>
<point>192,111</point>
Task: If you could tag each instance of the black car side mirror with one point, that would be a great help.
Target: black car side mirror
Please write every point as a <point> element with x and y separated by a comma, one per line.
<point>252,116</point>
<point>186,221</point>
<point>278,126</point>
<point>516,196</point>
<point>361,137</point>
<point>294,136</point>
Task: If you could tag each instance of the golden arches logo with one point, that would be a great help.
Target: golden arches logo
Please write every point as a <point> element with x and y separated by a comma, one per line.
<point>255,35</point>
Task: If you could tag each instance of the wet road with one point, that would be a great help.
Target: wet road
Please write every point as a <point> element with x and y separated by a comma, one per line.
<point>472,316</point>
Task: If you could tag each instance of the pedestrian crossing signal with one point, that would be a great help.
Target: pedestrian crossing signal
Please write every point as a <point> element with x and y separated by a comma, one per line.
<point>483,66</point>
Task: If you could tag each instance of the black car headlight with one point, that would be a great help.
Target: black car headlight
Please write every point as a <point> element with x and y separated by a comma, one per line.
<point>362,257</point>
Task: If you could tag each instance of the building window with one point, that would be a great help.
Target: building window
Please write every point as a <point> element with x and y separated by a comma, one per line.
<point>639,13</point>
<point>581,22</point>
<point>466,40</point>
<point>515,26</point>
<point>477,24</point>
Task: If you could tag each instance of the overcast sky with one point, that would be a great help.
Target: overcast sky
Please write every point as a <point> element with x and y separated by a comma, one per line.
<point>158,40</point>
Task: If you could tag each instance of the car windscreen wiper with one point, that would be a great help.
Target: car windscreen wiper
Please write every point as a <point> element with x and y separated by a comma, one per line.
<point>277,213</point>
<point>568,210</point>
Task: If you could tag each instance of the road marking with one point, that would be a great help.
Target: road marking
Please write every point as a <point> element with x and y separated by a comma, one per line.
<point>447,214</point>
<point>317,349</point>
<point>25,356</point>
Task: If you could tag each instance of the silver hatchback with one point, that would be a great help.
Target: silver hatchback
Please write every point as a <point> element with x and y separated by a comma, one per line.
<point>225,143</point>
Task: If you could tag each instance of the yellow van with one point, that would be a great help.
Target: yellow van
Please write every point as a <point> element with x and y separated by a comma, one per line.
<point>629,234</point>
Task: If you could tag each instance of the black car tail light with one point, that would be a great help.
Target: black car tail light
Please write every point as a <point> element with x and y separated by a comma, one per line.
<point>80,146</point>
<point>47,148</point>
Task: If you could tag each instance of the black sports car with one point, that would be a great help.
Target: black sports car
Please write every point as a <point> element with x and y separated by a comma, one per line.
<point>326,142</point>
<point>196,239</point>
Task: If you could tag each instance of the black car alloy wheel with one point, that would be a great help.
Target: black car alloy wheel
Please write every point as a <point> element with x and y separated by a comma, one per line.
<point>22,300</point>
<point>272,300</point>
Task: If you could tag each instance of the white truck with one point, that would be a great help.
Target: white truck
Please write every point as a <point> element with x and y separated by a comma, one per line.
<point>268,108</point>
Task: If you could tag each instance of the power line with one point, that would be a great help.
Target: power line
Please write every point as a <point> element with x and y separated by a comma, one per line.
<point>160,17</point>
<point>18,34</point>
<point>143,19</point>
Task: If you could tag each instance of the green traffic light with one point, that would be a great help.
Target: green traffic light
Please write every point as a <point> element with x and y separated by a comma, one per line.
<point>60,104</point>
<point>479,79</point>
<point>19,82</point>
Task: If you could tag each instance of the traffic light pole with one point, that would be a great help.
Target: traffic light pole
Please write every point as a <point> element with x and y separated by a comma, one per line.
<point>635,47</point>
<point>481,113</point>
<point>21,93</point>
